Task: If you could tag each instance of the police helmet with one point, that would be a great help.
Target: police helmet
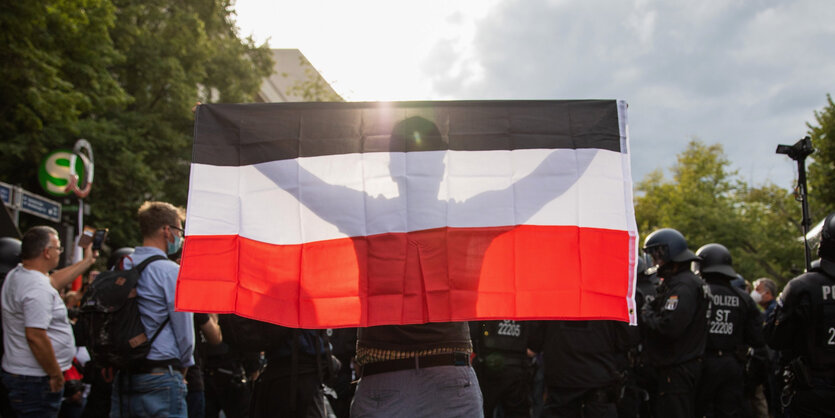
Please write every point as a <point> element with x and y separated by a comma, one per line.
<point>116,257</point>
<point>739,283</point>
<point>642,264</point>
<point>668,245</point>
<point>9,253</point>
<point>826,250</point>
<point>716,259</point>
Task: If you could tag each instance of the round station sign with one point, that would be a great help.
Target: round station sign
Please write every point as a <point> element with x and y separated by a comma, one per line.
<point>54,173</point>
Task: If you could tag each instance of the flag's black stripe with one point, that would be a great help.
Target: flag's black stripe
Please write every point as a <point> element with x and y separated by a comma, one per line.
<point>243,134</point>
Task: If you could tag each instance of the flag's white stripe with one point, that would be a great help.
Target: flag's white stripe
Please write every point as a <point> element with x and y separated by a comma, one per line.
<point>365,194</point>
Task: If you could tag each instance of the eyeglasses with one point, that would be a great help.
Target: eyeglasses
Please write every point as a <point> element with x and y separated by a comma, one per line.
<point>181,230</point>
<point>60,249</point>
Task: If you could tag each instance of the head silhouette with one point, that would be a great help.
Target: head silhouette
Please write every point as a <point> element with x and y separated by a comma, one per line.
<point>416,134</point>
<point>420,135</point>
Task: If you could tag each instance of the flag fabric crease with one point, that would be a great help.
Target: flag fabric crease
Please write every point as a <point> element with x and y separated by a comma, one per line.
<point>320,215</point>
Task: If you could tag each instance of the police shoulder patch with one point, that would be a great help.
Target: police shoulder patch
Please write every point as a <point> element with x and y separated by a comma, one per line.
<point>672,303</point>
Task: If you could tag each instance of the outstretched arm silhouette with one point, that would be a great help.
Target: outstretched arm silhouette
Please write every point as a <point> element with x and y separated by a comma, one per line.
<point>329,196</point>
<point>418,141</point>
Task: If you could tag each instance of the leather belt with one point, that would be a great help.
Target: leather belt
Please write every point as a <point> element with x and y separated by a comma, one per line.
<point>158,366</point>
<point>169,369</point>
<point>457,358</point>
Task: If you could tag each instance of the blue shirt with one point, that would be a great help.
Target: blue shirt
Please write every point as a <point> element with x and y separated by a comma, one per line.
<point>155,296</point>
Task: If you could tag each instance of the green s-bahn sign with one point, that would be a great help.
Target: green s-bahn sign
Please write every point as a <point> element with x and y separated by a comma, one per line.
<point>54,172</point>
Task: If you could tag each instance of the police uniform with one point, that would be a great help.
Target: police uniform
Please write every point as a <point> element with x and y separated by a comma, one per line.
<point>344,343</point>
<point>676,327</point>
<point>735,324</point>
<point>803,327</point>
<point>502,366</point>
<point>584,366</point>
<point>639,377</point>
<point>292,382</point>
<point>227,369</point>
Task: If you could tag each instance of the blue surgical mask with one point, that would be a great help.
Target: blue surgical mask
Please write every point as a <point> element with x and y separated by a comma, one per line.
<point>174,247</point>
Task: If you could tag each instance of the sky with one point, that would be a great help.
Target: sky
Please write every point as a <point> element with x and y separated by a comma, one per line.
<point>745,74</point>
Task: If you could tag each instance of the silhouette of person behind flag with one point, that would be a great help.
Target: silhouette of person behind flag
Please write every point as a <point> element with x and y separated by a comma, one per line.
<point>419,271</point>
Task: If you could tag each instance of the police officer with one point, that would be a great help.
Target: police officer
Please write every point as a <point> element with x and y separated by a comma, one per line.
<point>297,366</point>
<point>585,363</point>
<point>735,325</point>
<point>292,383</point>
<point>647,280</point>
<point>228,375</point>
<point>344,343</point>
<point>502,366</point>
<point>676,324</point>
<point>639,380</point>
<point>803,327</point>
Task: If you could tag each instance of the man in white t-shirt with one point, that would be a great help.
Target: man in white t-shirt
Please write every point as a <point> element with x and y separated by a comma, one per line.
<point>37,335</point>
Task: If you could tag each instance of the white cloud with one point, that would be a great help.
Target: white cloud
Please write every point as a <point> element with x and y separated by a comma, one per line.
<point>747,74</point>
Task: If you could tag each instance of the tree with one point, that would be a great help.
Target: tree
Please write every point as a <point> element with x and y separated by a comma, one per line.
<point>771,245</point>
<point>822,167</point>
<point>55,78</point>
<point>173,51</point>
<point>124,74</point>
<point>701,182</point>
<point>707,203</point>
<point>175,54</point>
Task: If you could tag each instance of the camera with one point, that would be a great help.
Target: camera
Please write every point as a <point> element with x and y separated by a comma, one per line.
<point>800,150</point>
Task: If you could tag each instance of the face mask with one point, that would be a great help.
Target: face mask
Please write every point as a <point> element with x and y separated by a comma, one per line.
<point>757,296</point>
<point>173,247</point>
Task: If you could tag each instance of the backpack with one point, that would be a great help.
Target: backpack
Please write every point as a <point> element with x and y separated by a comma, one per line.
<point>109,313</point>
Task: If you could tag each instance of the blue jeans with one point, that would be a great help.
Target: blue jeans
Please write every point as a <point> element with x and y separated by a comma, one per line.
<point>149,395</point>
<point>30,395</point>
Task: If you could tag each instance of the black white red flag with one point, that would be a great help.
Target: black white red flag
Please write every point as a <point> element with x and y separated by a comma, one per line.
<point>320,215</point>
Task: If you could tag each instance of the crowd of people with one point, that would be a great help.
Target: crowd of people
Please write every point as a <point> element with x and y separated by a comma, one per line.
<point>707,344</point>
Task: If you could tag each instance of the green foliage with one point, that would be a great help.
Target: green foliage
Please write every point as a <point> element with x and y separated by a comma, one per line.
<point>176,53</point>
<point>821,179</point>
<point>124,74</point>
<point>771,245</point>
<point>56,56</point>
<point>707,203</point>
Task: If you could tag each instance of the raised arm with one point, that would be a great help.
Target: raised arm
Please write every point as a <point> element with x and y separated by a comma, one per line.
<point>329,200</point>
<point>536,196</point>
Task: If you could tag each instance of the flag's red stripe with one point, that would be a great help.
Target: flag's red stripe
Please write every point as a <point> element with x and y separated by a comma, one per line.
<point>446,274</point>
